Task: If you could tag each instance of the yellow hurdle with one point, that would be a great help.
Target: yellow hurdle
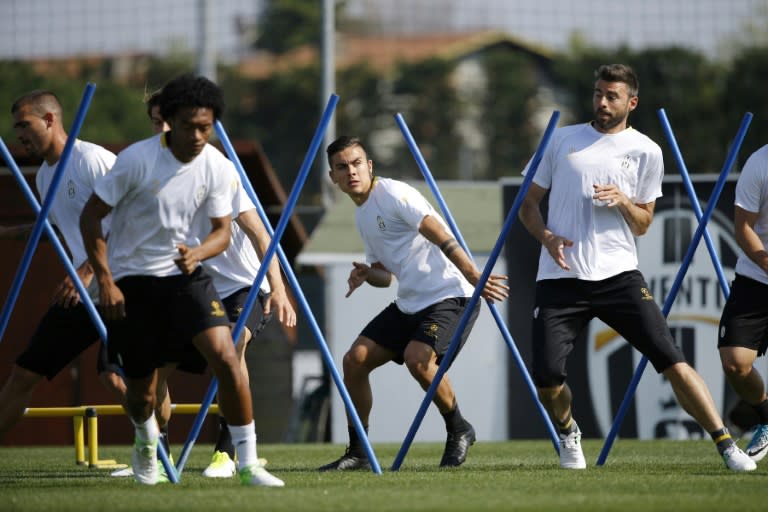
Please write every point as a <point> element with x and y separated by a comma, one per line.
<point>91,413</point>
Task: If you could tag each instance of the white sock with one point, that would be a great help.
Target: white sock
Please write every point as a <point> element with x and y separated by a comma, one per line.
<point>147,431</point>
<point>244,441</point>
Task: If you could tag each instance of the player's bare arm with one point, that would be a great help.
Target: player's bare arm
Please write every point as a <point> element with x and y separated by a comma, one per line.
<point>374,274</point>
<point>66,294</point>
<point>111,299</point>
<point>530,216</point>
<point>638,216</point>
<point>495,288</point>
<point>278,302</point>
<point>215,243</point>
<point>747,238</point>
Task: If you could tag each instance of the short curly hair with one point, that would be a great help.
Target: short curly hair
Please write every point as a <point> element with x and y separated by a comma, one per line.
<point>190,91</point>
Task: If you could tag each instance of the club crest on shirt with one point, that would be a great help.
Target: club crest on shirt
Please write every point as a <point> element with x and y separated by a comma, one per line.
<point>200,194</point>
<point>216,309</point>
<point>71,189</point>
<point>380,222</point>
<point>625,162</point>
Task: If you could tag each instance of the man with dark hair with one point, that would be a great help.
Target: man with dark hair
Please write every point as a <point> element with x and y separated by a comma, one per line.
<point>159,302</point>
<point>153,111</point>
<point>603,178</point>
<point>66,330</point>
<point>404,237</point>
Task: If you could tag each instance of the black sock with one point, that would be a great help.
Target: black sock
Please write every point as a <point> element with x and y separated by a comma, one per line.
<point>224,441</point>
<point>355,445</point>
<point>454,421</point>
<point>762,412</point>
<point>164,439</point>
<point>722,439</point>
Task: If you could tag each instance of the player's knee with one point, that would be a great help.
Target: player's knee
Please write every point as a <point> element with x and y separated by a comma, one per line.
<point>735,368</point>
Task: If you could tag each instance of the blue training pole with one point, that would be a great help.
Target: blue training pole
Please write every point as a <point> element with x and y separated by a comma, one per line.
<point>37,230</point>
<point>694,201</point>
<point>448,356</point>
<point>678,280</point>
<point>253,294</point>
<point>492,307</point>
<point>289,274</point>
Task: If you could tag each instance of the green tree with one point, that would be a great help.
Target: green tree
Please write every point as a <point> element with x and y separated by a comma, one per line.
<point>431,113</point>
<point>744,91</point>
<point>508,111</point>
<point>287,24</point>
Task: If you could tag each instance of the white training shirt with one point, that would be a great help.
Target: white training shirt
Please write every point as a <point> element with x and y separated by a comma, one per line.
<point>752,196</point>
<point>388,222</point>
<point>238,266</point>
<point>154,199</point>
<point>577,157</point>
<point>86,163</point>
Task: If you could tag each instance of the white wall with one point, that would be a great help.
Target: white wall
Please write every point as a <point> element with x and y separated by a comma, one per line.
<point>479,374</point>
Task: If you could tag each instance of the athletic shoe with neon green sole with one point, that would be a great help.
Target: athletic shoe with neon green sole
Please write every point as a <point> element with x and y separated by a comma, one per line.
<point>257,475</point>
<point>221,466</point>
<point>162,476</point>
<point>144,462</point>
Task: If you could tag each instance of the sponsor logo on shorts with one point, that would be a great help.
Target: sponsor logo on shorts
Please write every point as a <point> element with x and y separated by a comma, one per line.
<point>646,294</point>
<point>216,309</point>
<point>432,331</point>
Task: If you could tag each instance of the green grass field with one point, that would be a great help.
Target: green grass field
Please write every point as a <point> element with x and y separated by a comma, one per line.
<point>518,475</point>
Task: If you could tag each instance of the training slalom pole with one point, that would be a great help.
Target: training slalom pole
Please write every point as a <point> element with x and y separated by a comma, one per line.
<point>678,280</point>
<point>494,310</point>
<point>694,200</point>
<point>62,253</point>
<point>37,230</point>
<point>291,277</point>
<point>448,356</point>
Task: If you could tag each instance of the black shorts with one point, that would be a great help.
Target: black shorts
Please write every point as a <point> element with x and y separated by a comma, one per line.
<point>163,314</point>
<point>194,362</point>
<point>103,364</point>
<point>434,325</point>
<point>744,322</point>
<point>564,307</point>
<point>61,336</point>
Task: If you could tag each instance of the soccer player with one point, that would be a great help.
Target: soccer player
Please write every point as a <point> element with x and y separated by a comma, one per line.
<point>743,333</point>
<point>603,178</point>
<point>404,237</point>
<point>233,273</point>
<point>157,299</point>
<point>66,330</point>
